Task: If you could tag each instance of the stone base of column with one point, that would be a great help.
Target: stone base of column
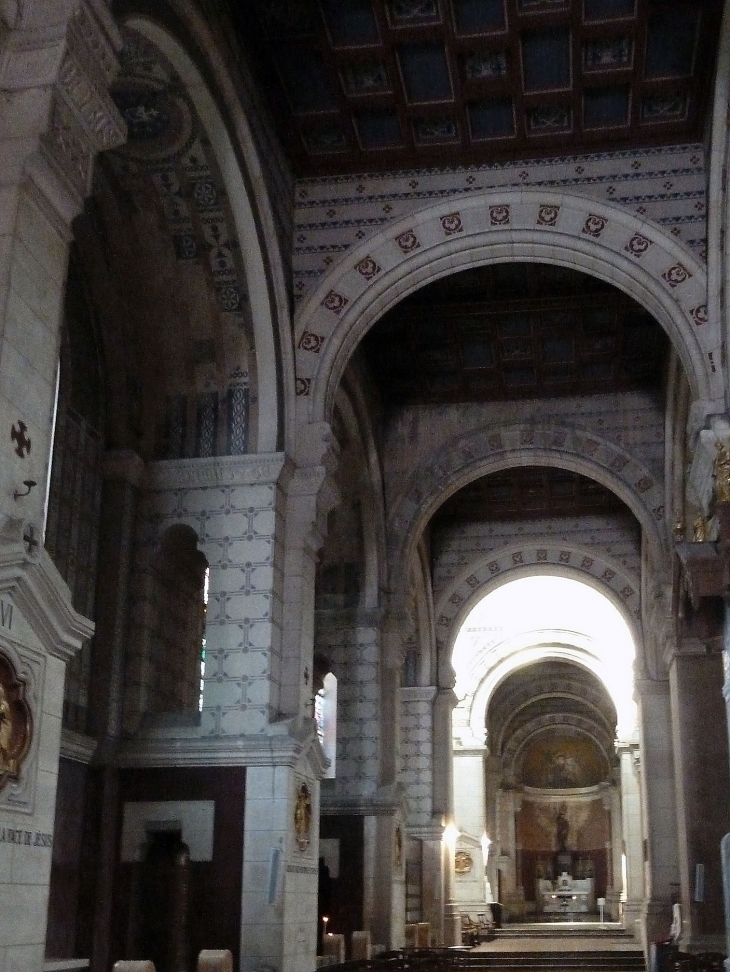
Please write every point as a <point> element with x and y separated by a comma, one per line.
<point>656,919</point>
<point>633,916</point>
<point>452,930</point>
<point>613,905</point>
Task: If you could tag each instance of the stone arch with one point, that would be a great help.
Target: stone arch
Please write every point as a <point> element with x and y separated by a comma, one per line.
<point>498,226</point>
<point>263,286</point>
<point>521,650</point>
<point>491,449</point>
<point>605,574</point>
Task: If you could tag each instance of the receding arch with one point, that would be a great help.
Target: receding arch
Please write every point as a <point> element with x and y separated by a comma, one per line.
<point>489,667</point>
<point>499,226</point>
<point>492,449</point>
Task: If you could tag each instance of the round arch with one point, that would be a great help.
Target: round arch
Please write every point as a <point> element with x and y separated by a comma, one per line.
<point>491,666</point>
<point>499,226</point>
<point>491,449</point>
<point>255,235</point>
<point>550,558</point>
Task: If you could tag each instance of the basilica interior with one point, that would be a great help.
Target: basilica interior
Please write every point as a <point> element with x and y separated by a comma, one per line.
<point>364,475</point>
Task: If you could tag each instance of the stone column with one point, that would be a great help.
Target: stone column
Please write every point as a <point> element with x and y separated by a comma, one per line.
<point>443,795</point>
<point>615,876</point>
<point>122,471</point>
<point>310,494</point>
<point>56,62</point>
<point>432,883</point>
<point>702,776</point>
<point>661,862</point>
<point>632,834</point>
<point>492,780</point>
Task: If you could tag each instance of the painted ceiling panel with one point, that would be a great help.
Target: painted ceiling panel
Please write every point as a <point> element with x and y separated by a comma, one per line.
<point>505,77</point>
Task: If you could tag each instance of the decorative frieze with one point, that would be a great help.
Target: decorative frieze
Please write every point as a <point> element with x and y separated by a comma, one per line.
<point>84,119</point>
<point>215,471</point>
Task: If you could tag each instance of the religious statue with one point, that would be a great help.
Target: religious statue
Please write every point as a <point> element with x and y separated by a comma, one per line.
<point>8,764</point>
<point>722,473</point>
<point>562,827</point>
<point>303,817</point>
<point>699,529</point>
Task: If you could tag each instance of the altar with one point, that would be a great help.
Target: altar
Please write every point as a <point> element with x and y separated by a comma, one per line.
<point>566,896</point>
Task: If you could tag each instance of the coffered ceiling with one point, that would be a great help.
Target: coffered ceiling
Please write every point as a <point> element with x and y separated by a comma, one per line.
<point>514,331</point>
<point>373,84</point>
<point>528,493</point>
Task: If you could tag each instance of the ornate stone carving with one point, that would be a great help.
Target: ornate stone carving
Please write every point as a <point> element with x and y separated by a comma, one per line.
<point>84,119</point>
<point>463,862</point>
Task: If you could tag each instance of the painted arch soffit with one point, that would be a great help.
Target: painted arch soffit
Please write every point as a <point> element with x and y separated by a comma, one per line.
<point>491,449</point>
<point>500,226</point>
<point>170,165</point>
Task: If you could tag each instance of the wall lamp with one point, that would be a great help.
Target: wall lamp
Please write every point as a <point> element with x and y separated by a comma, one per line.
<point>29,484</point>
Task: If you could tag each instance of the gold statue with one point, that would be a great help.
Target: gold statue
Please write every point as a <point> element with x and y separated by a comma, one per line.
<point>699,529</point>
<point>722,473</point>
<point>8,763</point>
<point>303,817</point>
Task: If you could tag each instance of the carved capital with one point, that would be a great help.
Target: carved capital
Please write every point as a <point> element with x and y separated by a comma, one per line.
<point>84,120</point>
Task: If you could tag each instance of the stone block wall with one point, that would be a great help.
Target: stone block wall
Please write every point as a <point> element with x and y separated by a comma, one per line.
<point>353,648</point>
<point>415,771</point>
<point>236,530</point>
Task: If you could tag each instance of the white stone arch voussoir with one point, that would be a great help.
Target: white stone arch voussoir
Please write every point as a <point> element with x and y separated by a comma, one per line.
<point>526,558</point>
<point>493,667</point>
<point>493,449</point>
<point>500,226</point>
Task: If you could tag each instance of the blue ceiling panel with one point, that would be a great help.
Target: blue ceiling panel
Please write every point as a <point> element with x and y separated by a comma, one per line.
<point>425,72</point>
<point>546,59</point>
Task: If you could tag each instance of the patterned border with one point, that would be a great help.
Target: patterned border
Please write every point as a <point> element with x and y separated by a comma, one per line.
<point>667,280</point>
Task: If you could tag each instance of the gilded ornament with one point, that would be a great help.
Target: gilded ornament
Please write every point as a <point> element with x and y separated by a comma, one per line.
<point>722,473</point>
<point>699,530</point>
<point>303,817</point>
<point>463,862</point>
<point>15,723</point>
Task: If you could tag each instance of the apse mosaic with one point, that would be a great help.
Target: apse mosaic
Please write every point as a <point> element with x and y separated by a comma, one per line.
<point>169,159</point>
<point>561,761</point>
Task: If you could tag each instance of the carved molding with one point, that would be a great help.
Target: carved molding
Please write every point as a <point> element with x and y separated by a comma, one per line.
<point>218,471</point>
<point>77,747</point>
<point>30,578</point>
<point>287,743</point>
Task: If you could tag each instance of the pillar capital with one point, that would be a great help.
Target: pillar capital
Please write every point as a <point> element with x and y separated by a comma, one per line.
<point>55,72</point>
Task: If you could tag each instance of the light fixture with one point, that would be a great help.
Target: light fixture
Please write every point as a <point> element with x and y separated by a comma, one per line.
<point>486,844</point>
<point>29,484</point>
